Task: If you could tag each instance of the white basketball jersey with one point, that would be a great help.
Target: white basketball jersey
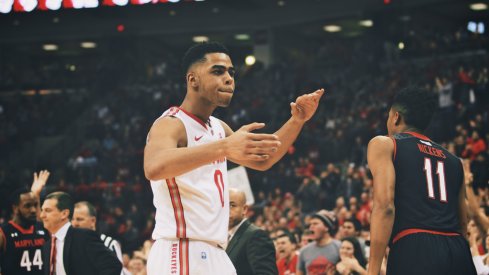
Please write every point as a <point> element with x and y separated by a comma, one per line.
<point>194,205</point>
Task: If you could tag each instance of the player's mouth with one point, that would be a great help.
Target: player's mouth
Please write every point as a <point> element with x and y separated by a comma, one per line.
<point>229,91</point>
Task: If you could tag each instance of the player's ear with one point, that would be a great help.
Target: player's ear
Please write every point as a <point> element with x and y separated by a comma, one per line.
<point>15,208</point>
<point>397,118</point>
<point>192,80</point>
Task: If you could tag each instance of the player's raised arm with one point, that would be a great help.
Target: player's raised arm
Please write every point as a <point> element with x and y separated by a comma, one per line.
<point>379,155</point>
<point>166,154</point>
<point>38,184</point>
<point>301,110</point>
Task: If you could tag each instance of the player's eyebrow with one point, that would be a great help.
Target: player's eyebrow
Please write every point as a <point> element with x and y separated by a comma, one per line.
<point>221,67</point>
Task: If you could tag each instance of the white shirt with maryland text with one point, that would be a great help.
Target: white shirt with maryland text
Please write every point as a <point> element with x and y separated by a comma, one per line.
<point>194,205</point>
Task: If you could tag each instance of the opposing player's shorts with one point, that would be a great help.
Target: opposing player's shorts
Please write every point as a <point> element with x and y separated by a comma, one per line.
<point>188,257</point>
<point>430,254</point>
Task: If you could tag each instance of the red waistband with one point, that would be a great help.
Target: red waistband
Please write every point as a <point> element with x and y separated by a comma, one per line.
<point>410,231</point>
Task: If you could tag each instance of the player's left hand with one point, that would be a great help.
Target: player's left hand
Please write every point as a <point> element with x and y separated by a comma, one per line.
<point>306,105</point>
<point>39,181</point>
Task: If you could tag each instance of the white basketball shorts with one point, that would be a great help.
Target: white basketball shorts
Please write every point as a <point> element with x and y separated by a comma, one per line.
<point>188,257</point>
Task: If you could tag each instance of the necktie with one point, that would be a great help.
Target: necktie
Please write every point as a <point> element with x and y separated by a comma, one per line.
<point>52,259</point>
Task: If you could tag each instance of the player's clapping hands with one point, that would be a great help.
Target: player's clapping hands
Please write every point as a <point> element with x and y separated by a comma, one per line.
<point>244,145</point>
<point>306,105</point>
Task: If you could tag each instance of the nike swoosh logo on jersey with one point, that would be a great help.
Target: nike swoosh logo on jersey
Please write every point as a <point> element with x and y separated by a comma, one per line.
<point>198,138</point>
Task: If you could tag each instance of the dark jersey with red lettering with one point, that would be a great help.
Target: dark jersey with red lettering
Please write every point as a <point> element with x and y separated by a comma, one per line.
<point>21,253</point>
<point>428,182</point>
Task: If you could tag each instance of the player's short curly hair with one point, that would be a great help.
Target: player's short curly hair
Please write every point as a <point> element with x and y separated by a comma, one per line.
<point>197,53</point>
<point>416,106</point>
<point>15,195</point>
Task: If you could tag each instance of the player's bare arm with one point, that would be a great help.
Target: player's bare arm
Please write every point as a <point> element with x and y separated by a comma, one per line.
<point>301,111</point>
<point>166,155</point>
<point>480,218</point>
<point>380,153</point>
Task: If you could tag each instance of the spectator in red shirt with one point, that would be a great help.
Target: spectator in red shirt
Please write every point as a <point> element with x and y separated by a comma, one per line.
<point>287,254</point>
<point>475,146</point>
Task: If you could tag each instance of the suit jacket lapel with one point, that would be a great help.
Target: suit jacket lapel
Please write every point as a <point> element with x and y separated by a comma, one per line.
<point>234,241</point>
<point>67,249</point>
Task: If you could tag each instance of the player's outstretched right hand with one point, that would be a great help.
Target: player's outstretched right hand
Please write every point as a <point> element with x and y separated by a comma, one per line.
<point>244,145</point>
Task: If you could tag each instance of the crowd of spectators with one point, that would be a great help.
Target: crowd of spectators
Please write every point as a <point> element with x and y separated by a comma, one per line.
<point>325,169</point>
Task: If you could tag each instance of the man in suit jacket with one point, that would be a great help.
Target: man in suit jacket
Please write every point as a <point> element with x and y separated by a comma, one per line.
<point>250,248</point>
<point>73,251</point>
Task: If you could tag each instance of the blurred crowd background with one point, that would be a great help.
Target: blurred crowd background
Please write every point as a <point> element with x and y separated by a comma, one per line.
<point>85,118</point>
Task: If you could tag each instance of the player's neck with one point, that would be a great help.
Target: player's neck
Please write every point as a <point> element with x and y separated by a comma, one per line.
<point>24,224</point>
<point>406,128</point>
<point>201,111</point>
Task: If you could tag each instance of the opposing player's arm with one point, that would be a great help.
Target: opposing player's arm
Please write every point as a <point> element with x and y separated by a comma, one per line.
<point>380,153</point>
<point>166,154</point>
<point>302,110</point>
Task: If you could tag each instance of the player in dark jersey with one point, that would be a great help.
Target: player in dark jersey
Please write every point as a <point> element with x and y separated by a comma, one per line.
<point>22,238</point>
<point>419,198</point>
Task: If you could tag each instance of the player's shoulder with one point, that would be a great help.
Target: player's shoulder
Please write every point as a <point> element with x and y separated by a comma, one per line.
<point>167,125</point>
<point>381,141</point>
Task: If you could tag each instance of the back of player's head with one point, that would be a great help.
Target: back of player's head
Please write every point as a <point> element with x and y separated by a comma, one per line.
<point>197,53</point>
<point>15,195</point>
<point>64,201</point>
<point>416,106</point>
<point>92,212</point>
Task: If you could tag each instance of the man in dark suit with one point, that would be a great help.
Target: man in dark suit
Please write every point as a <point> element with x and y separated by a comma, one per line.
<point>250,248</point>
<point>73,251</point>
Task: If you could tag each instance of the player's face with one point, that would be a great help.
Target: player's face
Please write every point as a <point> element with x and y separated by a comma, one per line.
<point>82,219</point>
<point>346,249</point>
<point>389,122</point>
<point>27,208</point>
<point>216,79</point>
<point>392,127</point>
<point>284,247</point>
<point>52,218</point>
<point>318,229</point>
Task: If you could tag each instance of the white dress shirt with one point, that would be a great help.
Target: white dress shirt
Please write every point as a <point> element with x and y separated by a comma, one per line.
<point>60,243</point>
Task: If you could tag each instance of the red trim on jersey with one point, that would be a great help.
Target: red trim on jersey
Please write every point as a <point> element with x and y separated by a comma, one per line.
<point>418,135</point>
<point>194,117</point>
<point>395,148</point>
<point>176,202</point>
<point>22,230</point>
<point>173,111</point>
<point>2,234</point>
<point>410,231</point>
<point>184,258</point>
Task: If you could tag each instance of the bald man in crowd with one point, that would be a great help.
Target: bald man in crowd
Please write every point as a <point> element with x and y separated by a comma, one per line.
<point>250,248</point>
<point>85,216</point>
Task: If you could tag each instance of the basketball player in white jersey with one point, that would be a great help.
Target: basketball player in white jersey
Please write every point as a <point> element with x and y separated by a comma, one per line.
<point>185,160</point>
